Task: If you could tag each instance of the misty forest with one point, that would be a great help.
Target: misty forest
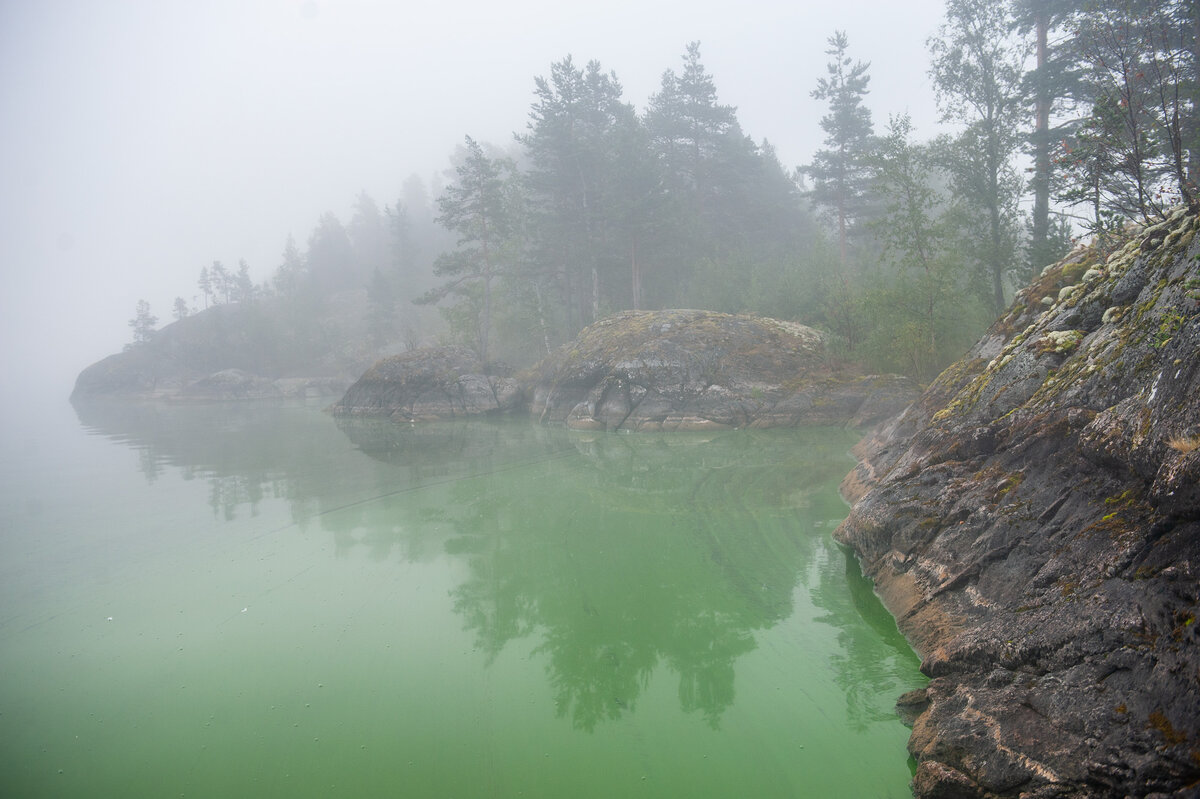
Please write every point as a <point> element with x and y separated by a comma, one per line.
<point>620,458</point>
<point>1072,120</point>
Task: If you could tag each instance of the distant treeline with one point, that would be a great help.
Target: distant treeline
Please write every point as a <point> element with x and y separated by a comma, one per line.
<point>1073,118</point>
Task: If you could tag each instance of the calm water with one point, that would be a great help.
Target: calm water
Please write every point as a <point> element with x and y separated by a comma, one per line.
<point>258,600</point>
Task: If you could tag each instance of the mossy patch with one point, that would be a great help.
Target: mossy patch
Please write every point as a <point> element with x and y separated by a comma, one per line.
<point>1159,721</point>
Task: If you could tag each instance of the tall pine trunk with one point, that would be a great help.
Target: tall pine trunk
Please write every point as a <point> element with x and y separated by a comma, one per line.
<point>1039,254</point>
<point>636,275</point>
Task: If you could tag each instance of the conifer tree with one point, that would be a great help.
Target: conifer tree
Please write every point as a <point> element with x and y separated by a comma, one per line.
<point>977,71</point>
<point>841,173</point>
<point>475,208</point>
<point>577,130</point>
<point>143,323</point>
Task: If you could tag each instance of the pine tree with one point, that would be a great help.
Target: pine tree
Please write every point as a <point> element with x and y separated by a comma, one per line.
<point>1050,85</point>
<point>143,324</point>
<point>919,313</point>
<point>475,208</point>
<point>578,127</point>
<point>329,261</point>
<point>243,286</point>
<point>290,274</point>
<point>1140,76</point>
<point>205,284</point>
<point>977,72</point>
<point>841,173</point>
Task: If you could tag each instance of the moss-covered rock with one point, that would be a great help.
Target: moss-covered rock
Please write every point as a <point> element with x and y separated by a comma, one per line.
<point>1033,522</point>
<point>429,384</point>
<point>699,370</point>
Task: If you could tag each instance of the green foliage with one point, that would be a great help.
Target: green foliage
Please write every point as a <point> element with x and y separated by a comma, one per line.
<point>602,209</point>
<point>779,288</point>
<point>1170,325</point>
<point>477,209</point>
<point>841,173</point>
<point>922,316</point>
<point>1045,90</point>
<point>912,337</point>
<point>578,131</point>
<point>1130,155</point>
<point>143,323</point>
<point>977,72</point>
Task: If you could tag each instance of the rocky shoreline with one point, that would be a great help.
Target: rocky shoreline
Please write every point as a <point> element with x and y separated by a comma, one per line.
<point>1033,523</point>
<point>643,371</point>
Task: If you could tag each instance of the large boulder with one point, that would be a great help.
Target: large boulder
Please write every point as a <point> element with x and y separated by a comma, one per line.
<point>429,384</point>
<point>701,370</point>
<point>1033,522</point>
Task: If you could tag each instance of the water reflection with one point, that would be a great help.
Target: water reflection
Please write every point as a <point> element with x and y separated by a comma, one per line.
<point>616,555</point>
<point>871,662</point>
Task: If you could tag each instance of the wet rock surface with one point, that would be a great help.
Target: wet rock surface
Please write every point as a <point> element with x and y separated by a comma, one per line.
<point>429,384</point>
<point>701,370</point>
<point>1033,522</point>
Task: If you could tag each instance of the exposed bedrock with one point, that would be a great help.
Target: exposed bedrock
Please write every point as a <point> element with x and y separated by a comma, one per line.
<point>702,370</point>
<point>429,384</point>
<point>1033,522</point>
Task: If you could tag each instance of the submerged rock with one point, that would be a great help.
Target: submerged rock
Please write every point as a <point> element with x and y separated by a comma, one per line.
<point>429,384</point>
<point>701,370</point>
<point>1033,522</point>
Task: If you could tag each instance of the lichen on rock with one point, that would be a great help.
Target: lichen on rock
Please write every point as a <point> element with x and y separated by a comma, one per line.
<point>1052,610</point>
<point>429,384</point>
<point>702,370</point>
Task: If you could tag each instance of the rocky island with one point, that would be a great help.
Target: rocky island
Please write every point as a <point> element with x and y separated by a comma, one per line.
<point>644,370</point>
<point>257,349</point>
<point>1033,523</point>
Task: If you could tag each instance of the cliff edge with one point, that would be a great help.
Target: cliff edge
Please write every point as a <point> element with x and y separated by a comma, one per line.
<point>1033,522</point>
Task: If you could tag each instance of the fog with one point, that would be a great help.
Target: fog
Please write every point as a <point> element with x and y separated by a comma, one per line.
<point>142,140</point>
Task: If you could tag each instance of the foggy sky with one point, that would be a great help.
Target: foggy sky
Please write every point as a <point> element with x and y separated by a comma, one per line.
<point>144,139</point>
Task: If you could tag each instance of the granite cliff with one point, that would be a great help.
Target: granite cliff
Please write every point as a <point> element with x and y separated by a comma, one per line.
<point>1033,523</point>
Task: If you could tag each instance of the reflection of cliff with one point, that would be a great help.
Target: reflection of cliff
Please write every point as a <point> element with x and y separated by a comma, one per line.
<point>248,452</point>
<point>874,660</point>
<point>244,451</point>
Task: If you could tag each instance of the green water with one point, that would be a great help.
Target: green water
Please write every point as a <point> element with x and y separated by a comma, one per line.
<point>258,600</point>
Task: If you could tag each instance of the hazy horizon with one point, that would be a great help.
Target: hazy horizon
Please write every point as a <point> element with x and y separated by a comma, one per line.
<point>145,140</point>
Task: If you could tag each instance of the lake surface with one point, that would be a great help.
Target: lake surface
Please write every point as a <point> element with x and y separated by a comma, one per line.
<point>260,600</point>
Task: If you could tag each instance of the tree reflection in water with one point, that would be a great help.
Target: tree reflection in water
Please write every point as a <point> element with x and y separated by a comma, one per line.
<point>613,555</point>
<point>645,550</point>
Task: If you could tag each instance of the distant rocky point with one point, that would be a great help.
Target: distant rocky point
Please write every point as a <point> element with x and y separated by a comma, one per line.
<point>238,351</point>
